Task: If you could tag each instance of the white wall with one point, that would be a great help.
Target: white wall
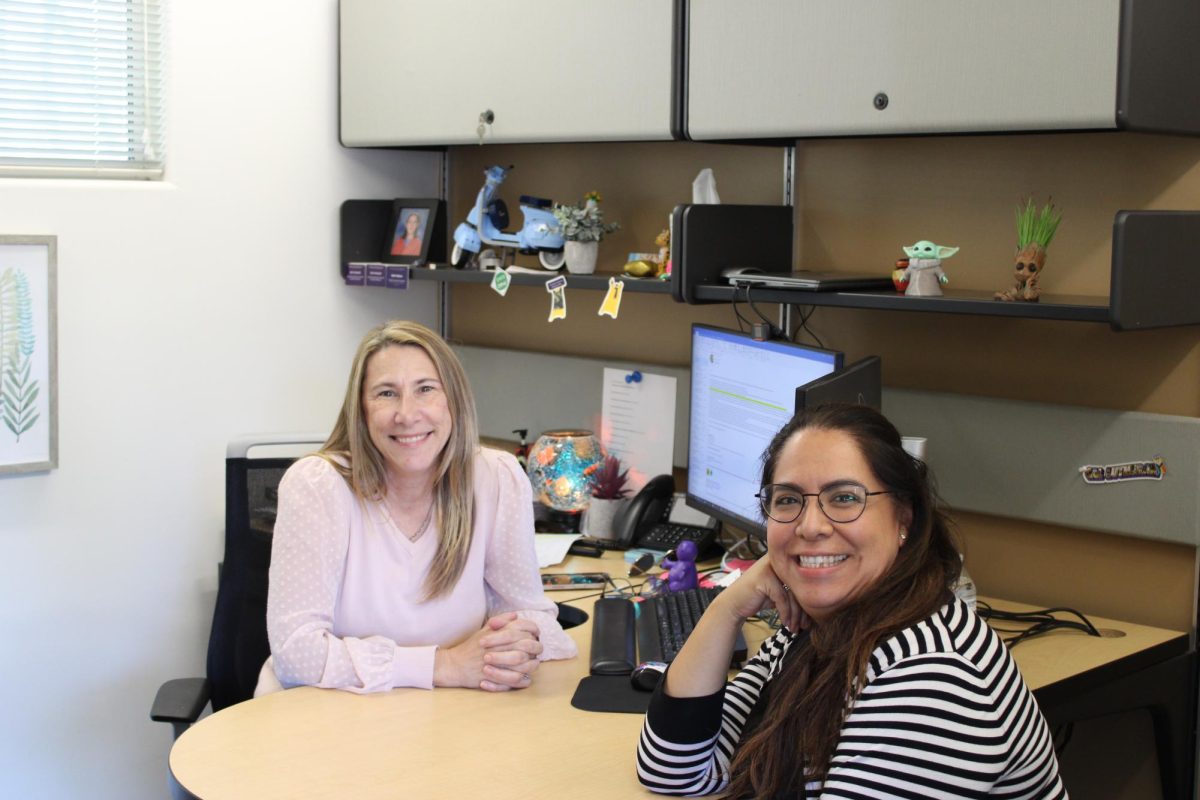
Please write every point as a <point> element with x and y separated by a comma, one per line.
<point>189,311</point>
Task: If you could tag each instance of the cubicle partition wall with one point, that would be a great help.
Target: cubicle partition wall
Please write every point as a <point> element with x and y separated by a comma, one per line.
<point>540,392</point>
<point>1121,472</point>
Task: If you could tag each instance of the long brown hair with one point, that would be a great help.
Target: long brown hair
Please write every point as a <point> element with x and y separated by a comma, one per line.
<point>350,450</point>
<point>814,691</point>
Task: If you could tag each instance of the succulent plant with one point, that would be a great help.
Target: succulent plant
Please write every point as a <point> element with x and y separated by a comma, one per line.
<point>608,480</point>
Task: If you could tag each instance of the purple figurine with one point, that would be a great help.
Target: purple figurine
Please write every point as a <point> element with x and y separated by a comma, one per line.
<point>681,571</point>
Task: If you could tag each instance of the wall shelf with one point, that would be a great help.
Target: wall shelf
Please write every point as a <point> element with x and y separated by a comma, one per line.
<point>597,281</point>
<point>363,232</point>
<point>955,301</point>
<point>1154,279</point>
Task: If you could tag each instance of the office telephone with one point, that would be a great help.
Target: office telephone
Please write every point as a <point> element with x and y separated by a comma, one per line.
<point>658,519</point>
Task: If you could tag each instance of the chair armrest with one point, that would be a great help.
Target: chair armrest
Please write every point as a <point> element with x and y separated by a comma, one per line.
<point>180,700</point>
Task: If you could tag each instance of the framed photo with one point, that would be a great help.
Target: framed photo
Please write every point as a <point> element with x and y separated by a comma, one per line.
<point>411,231</point>
<point>28,354</point>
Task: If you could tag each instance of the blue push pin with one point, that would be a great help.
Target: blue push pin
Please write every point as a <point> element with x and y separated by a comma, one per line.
<point>634,377</point>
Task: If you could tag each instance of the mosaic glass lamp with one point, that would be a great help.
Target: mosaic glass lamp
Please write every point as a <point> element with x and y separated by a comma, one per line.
<point>560,466</point>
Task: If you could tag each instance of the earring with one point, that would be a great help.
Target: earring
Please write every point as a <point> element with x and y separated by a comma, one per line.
<point>903,534</point>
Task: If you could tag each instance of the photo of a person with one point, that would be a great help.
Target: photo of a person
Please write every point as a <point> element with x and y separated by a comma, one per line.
<point>410,229</point>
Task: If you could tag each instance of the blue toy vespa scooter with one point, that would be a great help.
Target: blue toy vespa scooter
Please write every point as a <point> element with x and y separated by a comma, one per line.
<point>486,222</point>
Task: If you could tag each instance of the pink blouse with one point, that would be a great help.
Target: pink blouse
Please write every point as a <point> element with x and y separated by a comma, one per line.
<point>345,607</point>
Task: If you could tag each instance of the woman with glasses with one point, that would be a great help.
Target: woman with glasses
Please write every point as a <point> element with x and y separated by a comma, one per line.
<point>880,683</point>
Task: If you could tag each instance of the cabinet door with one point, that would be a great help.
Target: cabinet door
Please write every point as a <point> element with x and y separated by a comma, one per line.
<point>421,72</point>
<point>788,68</point>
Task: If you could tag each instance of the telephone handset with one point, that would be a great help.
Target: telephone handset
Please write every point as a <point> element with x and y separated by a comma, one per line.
<point>648,506</point>
<point>648,520</point>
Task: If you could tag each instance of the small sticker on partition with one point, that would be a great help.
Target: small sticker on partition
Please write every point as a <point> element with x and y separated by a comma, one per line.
<point>500,282</point>
<point>611,306</point>
<point>376,274</point>
<point>557,287</point>
<point>356,274</point>
<point>397,277</point>
<point>1152,470</point>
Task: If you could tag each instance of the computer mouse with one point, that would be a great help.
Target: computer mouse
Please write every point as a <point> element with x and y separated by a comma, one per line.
<point>645,676</point>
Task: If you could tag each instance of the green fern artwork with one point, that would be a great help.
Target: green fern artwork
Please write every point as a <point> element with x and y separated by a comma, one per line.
<point>18,394</point>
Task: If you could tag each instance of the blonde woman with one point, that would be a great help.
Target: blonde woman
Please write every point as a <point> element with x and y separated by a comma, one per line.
<point>403,552</point>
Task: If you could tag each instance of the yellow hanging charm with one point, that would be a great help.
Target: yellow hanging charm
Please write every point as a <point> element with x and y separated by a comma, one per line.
<point>557,287</point>
<point>612,301</point>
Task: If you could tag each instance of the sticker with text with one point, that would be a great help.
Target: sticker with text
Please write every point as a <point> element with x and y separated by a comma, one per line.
<point>557,287</point>
<point>611,306</point>
<point>501,282</point>
<point>397,278</point>
<point>1152,470</point>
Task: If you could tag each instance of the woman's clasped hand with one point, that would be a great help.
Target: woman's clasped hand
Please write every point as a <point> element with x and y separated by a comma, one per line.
<point>500,656</point>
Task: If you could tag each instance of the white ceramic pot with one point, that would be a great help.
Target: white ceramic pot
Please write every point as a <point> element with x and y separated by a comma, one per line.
<point>581,257</point>
<point>598,517</point>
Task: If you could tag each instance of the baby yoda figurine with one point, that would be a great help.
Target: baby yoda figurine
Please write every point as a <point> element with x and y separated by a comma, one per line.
<point>924,274</point>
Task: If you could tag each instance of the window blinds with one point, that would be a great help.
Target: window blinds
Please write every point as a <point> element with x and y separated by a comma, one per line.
<point>81,88</point>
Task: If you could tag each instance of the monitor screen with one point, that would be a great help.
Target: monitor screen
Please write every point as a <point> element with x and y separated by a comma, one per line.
<point>743,391</point>
<point>858,384</point>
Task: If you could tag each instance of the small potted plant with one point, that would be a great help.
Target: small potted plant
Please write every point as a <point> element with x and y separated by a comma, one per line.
<point>609,490</point>
<point>1035,230</point>
<point>583,226</point>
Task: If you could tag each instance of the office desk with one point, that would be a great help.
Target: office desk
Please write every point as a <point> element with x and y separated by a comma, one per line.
<point>316,743</point>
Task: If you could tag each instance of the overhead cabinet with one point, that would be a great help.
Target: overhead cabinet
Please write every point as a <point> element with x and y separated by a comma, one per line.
<point>816,68</point>
<point>446,72</point>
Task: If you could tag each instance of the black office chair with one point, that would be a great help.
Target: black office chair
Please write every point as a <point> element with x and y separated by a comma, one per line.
<point>237,642</point>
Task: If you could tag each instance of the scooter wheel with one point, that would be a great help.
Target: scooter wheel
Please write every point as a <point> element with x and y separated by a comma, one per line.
<point>552,259</point>
<point>459,256</point>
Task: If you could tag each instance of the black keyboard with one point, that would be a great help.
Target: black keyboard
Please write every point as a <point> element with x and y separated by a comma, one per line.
<point>660,627</point>
<point>665,621</point>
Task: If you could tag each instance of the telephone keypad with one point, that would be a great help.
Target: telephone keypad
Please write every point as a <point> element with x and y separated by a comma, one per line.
<point>666,535</point>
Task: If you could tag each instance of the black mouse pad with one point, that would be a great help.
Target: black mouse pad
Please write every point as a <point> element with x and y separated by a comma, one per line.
<point>610,693</point>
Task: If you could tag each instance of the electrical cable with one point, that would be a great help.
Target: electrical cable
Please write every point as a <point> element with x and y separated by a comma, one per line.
<point>1036,622</point>
<point>630,590</point>
<point>742,321</point>
<point>803,326</point>
<point>774,328</point>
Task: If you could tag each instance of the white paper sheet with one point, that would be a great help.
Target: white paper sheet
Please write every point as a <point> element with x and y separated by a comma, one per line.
<point>638,423</point>
<point>552,547</point>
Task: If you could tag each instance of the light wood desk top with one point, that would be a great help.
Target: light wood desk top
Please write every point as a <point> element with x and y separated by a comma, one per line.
<point>319,743</point>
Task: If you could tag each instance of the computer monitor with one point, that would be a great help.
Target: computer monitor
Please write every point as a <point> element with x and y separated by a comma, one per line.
<point>743,392</point>
<point>858,384</point>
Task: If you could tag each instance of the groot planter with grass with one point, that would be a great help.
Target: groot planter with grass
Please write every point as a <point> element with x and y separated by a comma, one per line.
<point>1035,230</point>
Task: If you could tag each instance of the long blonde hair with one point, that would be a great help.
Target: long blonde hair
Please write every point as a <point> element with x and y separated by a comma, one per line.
<point>350,449</point>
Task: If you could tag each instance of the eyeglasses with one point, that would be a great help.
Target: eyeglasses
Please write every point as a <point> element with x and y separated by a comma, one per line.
<point>842,503</point>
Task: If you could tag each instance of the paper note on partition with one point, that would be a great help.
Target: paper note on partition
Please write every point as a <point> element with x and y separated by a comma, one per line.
<point>638,422</point>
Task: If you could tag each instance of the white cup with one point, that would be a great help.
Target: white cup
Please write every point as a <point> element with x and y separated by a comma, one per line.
<point>914,446</point>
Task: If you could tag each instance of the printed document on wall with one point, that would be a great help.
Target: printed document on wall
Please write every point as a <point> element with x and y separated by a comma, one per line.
<point>638,422</point>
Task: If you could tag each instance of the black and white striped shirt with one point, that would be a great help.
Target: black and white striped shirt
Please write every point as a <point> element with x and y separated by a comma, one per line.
<point>944,714</point>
